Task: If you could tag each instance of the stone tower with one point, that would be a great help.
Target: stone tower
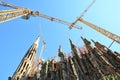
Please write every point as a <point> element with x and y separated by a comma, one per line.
<point>27,62</point>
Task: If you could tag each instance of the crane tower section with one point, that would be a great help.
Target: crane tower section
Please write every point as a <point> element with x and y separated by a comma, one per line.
<point>108,34</point>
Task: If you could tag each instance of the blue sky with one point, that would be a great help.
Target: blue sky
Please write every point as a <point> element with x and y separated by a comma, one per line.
<point>16,36</point>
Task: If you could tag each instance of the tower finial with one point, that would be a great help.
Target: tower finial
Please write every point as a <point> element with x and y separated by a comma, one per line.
<point>60,49</point>
<point>37,41</point>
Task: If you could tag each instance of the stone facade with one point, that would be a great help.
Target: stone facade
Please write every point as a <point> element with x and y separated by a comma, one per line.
<point>92,63</point>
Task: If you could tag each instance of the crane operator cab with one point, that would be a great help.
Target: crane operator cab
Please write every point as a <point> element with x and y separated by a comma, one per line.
<point>26,17</point>
<point>34,13</point>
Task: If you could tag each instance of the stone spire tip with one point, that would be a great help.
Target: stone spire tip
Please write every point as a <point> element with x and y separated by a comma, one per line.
<point>37,41</point>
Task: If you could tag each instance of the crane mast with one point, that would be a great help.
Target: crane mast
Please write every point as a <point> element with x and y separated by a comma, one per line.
<point>17,12</point>
<point>42,49</point>
<point>108,34</point>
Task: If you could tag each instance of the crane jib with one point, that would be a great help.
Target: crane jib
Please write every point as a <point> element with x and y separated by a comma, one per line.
<point>108,34</point>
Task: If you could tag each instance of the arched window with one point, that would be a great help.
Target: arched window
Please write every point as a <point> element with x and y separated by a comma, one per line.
<point>17,78</point>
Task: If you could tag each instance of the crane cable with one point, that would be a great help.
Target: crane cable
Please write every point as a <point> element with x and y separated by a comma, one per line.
<point>65,37</point>
<point>43,42</point>
<point>82,14</point>
<point>61,43</point>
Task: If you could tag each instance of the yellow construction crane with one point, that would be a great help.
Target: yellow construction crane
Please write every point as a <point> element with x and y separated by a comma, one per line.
<point>6,15</point>
<point>42,49</point>
<point>82,14</point>
<point>106,33</point>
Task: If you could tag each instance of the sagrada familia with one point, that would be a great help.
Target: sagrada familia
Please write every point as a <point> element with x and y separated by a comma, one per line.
<point>91,63</point>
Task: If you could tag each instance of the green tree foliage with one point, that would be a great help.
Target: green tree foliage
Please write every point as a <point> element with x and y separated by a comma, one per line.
<point>111,77</point>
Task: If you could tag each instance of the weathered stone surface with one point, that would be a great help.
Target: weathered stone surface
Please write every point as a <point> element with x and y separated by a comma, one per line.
<point>91,64</point>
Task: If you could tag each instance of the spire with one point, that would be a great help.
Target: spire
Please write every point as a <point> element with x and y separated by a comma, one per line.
<point>37,41</point>
<point>60,53</point>
<point>26,64</point>
<point>72,45</point>
<point>60,49</point>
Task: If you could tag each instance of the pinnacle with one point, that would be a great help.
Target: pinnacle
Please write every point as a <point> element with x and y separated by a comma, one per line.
<point>37,41</point>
